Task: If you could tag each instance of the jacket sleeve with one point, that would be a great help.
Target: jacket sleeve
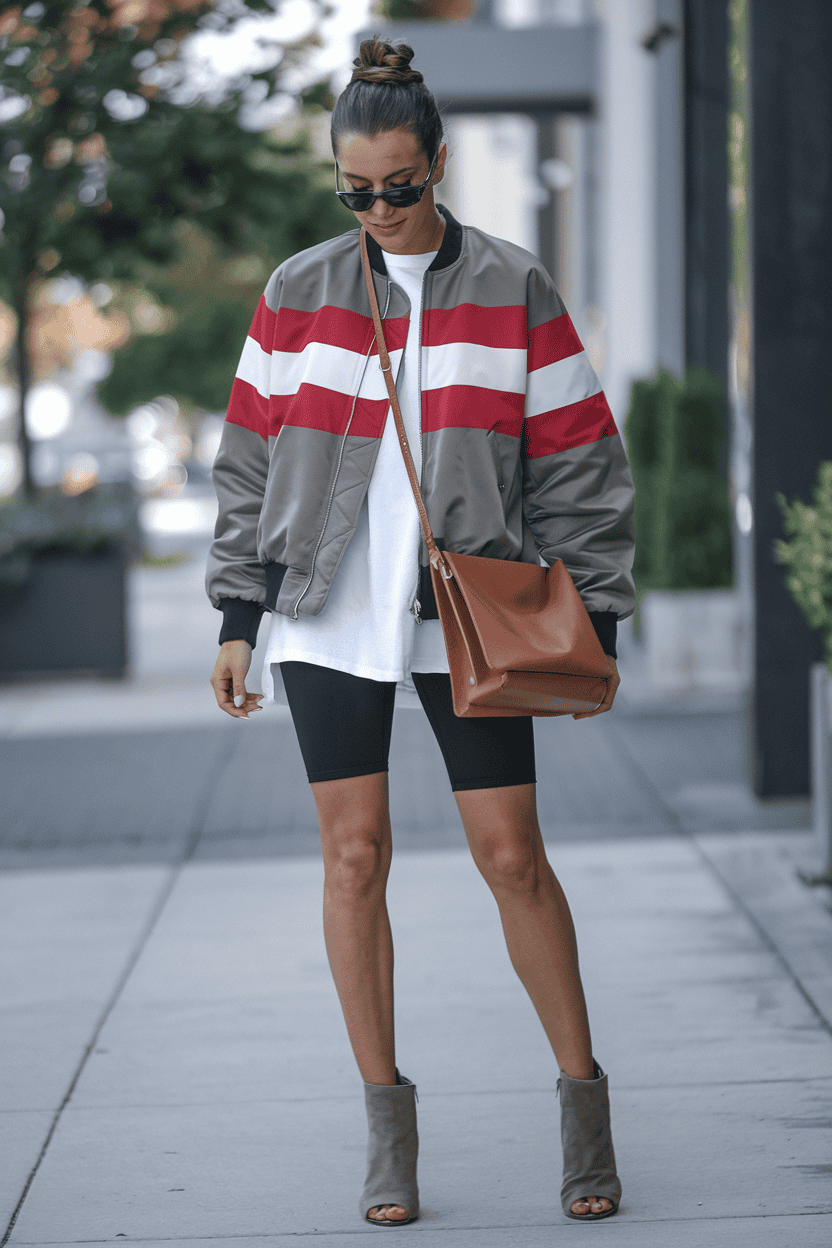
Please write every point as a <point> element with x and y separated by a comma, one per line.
<point>577,486</point>
<point>235,577</point>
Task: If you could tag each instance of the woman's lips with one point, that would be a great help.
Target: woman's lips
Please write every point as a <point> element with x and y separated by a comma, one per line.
<point>394,226</point>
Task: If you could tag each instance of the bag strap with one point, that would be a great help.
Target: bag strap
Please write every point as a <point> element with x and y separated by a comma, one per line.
<point>434,553</point>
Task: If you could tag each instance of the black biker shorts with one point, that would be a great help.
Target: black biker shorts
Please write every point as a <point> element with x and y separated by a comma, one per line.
<point>343,723</point>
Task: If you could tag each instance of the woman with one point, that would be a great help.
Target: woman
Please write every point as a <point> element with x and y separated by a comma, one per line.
<point>518,457</point>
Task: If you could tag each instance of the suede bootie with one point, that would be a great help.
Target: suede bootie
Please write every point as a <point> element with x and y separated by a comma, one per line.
<point>392,1150</point>
<point>588,1156</point>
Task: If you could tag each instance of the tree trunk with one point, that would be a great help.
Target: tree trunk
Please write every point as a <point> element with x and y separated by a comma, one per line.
<point>24,376</point>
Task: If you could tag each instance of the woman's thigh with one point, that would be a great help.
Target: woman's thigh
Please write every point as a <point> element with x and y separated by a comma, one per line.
<point>484,752</point>
<point>343,722</point>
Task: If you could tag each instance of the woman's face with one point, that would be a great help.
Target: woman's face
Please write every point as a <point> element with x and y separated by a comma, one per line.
<point>394,158</point>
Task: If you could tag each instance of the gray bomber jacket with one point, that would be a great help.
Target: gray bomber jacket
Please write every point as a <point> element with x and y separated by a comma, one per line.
<point>521,458</point>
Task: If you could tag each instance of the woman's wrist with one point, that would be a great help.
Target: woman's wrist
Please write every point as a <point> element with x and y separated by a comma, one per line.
<point>240,620</point>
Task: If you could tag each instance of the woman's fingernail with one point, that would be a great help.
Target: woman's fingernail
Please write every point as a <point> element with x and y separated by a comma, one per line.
<point>239,699</point>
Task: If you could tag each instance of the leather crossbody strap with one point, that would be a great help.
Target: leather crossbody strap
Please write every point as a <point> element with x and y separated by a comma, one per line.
<point>434,553</point>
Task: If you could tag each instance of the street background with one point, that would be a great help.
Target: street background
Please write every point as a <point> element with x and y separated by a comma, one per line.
<point>139,769</point>
<point>174,1068</point>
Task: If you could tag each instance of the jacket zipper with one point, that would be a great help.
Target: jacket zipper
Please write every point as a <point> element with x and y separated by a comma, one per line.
<point>338,466</point>
<point>416,608</point>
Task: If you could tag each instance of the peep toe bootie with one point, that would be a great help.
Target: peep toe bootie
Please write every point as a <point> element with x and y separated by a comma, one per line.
<point>588,1156</point>
<point>392,1150</point>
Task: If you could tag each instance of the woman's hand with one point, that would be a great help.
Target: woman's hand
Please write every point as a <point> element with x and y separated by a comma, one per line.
<point>612,685</point>
<point>228,680</point>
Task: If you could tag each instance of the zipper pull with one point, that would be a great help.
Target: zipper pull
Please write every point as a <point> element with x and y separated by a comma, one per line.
<point>416,609</point>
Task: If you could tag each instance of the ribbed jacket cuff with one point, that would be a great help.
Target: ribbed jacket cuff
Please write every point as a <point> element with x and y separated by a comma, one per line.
<point>240,620</point>
<point>605,624</point>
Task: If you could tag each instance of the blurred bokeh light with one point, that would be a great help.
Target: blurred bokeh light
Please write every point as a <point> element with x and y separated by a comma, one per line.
<point>48,410</point>
<point>11,469</point>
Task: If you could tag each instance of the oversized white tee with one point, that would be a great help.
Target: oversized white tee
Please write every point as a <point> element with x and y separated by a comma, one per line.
<point>366,626</point>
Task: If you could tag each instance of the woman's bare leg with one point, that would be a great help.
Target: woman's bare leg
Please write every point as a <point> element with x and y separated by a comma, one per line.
<point>504,835</point>
<point>354,818</point>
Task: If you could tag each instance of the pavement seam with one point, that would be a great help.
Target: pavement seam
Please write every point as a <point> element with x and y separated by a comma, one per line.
<point>477,1094</point>
<point>230,745</point>
<point>273,1237</point>
<point>677,821</point>
<point>762,932</point>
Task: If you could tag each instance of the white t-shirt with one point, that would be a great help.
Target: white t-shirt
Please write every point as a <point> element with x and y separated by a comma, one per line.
<point>365,626</point>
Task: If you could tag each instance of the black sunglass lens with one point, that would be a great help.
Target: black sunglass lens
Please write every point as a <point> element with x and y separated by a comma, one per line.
<point>403,196</point>
<point>397,197</point>
<point>356,201</point>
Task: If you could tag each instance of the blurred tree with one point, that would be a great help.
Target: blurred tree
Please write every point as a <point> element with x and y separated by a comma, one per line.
<point>112,148</point>
<point>682,510</point>
<point>195,360</point>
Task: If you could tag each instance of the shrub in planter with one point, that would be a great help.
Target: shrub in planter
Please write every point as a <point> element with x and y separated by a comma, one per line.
<point>689,618</point>
<point>682,510</point>
<point>807,555</point>
<point>63,582</point>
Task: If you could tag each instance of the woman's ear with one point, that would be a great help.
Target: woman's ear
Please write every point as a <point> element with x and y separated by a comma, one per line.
<point>439,169</point>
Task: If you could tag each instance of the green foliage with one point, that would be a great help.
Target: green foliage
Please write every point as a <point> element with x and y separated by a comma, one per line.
<point>682,513</point>
<point>196,360</point>
<point>112,144</point>
<point>117,154</point>
<point>403,10</point>
<point>808,554</point>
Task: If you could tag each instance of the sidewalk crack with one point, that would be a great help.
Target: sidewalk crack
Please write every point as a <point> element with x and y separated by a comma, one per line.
<point>676,820</point>
<point>230,743</point>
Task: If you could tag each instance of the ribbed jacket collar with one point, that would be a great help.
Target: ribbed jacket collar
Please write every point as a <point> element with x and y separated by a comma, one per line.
<point>447,254</point>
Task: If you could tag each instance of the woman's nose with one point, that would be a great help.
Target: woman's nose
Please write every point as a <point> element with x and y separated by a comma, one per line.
<point>380,210</point>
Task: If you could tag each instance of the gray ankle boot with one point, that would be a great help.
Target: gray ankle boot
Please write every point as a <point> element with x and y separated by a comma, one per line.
<point>588,1156</point>
<point>392,1150</point>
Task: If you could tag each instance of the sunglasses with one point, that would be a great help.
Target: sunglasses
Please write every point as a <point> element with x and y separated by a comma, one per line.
<point>397,196</point>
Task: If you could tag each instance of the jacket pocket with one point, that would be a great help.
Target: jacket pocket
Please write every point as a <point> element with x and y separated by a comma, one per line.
<point>495,455</point>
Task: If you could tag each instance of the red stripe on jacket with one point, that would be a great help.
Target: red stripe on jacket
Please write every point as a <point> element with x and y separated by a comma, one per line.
<point>553,340</point>
<point>472,407</point>
<point>248,408</point>
<point>452,407</point>
<point>290,329</point>
<point>469,322</point>
<point>262,325</point>
<point>337,327</point>
<point>577,424</point>
<point>314,407</point>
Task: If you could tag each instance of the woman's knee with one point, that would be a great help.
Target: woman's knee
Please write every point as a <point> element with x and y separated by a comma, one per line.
<point>356,865</point>
<point>509,862</point>
<point>354,819</point>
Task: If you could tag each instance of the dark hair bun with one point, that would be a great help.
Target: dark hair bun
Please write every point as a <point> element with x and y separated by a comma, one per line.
<point>382,62</point>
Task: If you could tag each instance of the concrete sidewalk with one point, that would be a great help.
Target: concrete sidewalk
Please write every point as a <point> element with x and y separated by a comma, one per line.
<point>176,1069</point>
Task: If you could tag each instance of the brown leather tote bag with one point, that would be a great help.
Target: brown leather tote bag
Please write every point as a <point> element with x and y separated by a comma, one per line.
<point>518,637</point>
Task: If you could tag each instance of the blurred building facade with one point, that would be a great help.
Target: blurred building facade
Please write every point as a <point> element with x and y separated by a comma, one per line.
<point>565,134</point>
<point>597,134</point>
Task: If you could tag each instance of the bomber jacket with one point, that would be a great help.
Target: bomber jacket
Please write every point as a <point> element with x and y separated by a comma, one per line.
<point>521,457</point>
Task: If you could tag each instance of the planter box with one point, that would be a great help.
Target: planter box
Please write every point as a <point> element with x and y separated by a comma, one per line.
<point>70,617</point>
<point>821,739</point>
<point>695,639</point>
